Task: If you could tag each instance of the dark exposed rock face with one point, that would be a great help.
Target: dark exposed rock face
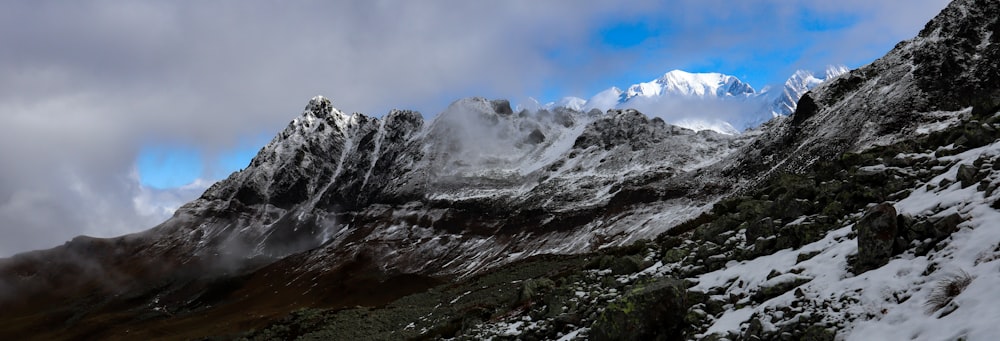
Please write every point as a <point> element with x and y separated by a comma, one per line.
<point>501,107</point>
<point>957,61</point>
<point>805,109</point>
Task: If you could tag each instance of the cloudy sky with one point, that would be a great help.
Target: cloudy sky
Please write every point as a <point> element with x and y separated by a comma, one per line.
<point>112,113</point>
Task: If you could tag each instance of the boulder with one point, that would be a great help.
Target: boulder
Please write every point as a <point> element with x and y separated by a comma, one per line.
<point>653,312</point>
<point>877,232</point>
<point>795,208</point>
<point>925,233</point>
<point>625,265</point>
<point>967,175</point>
<point>778,285</point>
<point>534,287</point>
<point>761,228</point>
<point>945,226</point>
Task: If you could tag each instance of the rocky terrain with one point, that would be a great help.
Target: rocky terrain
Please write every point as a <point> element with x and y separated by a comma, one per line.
<point>869,213</point>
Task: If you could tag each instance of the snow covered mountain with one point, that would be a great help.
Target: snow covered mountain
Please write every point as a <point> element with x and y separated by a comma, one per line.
<point>681,83</point>
<point>705,101</point>
<point>797,85</point>
<point>870,211</point>
<point>476,160</point>
<point>478,187</point>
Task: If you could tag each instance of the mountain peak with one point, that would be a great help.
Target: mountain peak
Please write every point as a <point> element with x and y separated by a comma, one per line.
<point>835,70</point>
<point>687,84</point>
<point>804,76</point>
<point>798,84</point>
<point>713,83</point>
<point>319,106</point>
<point>704,77</point>
<point>749,107</point>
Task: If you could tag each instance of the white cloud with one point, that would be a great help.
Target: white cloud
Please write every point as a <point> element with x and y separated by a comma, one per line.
<point>157,205</point>
<point>700,113</point>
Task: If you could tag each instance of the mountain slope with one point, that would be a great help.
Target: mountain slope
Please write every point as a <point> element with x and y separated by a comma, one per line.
<point>870,213</point>
<point>668,232</point>
<point>478,187</point>
<point>544,172</point>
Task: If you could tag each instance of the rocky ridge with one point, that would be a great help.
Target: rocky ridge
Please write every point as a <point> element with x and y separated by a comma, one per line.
<point>478,187</point>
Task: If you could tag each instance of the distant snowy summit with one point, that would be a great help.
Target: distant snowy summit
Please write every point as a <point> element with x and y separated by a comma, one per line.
<point>703,101</point>
<point>798,84</point>
<point>682,83</point>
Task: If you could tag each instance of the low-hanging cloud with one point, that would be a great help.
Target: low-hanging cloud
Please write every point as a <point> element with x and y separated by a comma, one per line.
<point>85,84</point>
<point>722,115</point>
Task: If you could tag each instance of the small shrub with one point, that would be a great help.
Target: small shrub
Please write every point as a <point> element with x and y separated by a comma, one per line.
<point>946,290</point>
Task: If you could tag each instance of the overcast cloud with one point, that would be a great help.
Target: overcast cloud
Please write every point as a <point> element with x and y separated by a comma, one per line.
<point>85,84</point>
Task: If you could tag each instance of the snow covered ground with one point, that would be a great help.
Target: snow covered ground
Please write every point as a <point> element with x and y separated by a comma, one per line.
<point>890,302</point>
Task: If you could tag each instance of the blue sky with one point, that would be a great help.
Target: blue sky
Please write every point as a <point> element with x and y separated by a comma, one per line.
<point>115,112</point>
<point>172,165</point>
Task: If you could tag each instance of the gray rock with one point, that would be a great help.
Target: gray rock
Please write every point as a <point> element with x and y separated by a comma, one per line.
<point>755,330</point>
<point>924,233</point>
<point>768,292</point>
<point>502,106</point>
<point>533,287</point>
<point>760,229</point>
<point>653,312</point>
<point>967,175</point>
<point>625,265</point>
<point>877,231</point>
<point>945,226</point>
